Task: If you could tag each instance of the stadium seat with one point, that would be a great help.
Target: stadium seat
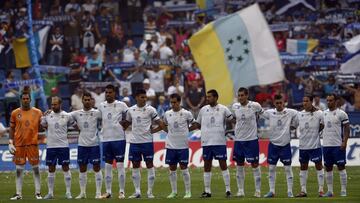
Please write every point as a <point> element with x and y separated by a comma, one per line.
<point>137,28</point>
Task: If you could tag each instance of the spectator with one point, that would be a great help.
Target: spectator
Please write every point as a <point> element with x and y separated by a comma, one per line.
<point>72,5</point>
<point>355,91</point>
<point>103,23</point>
<point>148,54</point>
<point>150,25</point>
<point>100,49</point>
<point>93,68</point>
<point>88,6</point>
<point>72,31</point>
<point>76,99</point>
<point>156,78</point>
<point>124,93</point>
<point>129,52</point>
<point>88,27</point>
<point>76,71</point>
<point>162,106</point>
<point>296,92</point>
<point>150,93</point>
<point>176,87</point>
<point>165,51</point>
<point>134,10</point>
<point>317,102</point>
<point>98,95</point>
<point>330,86</point>
<point>148,41</point>
<point>56,51</point>
<point>195,98</point>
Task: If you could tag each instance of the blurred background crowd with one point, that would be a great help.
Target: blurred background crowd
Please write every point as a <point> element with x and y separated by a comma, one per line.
<point>143,44</point>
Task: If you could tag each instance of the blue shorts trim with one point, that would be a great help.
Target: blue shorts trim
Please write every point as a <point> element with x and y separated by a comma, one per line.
<point>276,152</point>
<point>60,156</point>
<point>314,155</point>
<point>175,156</point>
<point>142,151</point>
<point>334,155</point>
<point>217,152</point>
<point>89,155</point>
<point>246,149</point>
<point>114,150</point>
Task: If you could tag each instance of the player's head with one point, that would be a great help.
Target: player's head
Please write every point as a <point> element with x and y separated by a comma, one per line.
<point>56,104</point>
<point>86,100</point>
<point>279,102</point>
<point>110,93</point>
<point>175,100</point>
<point>25,99</point>
<point>307,102</point>
<point>331,101</point>
<point>140,96</point>
<point>212,97</point>
<point>243,95</point>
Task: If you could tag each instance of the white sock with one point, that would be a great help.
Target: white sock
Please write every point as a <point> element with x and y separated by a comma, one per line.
<point>98,182</point>
<point>303,180</point>
<point>187,181</point>
<point>121,176</point>
<point>320,178</point>
<point>226,177</point>
<point>173,181</point>
<point>51,180</point>
<point>272,177</point>
<point>329,181</point>
<point>289,178</point>
<point>207,182</point>
<point>151,179</point>
<point>19,178</point>
<point>257,178</point>
<point>108,177</point>
<point>67,179</point>
<point>36,176</point>
<point>136,177</point>
<point>343,180</point>
<point>82,182</point>
<point>240,177</point>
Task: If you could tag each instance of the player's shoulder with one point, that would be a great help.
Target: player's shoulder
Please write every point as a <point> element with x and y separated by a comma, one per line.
<point>16,111</point>
<point>290,110</point>
<point>149,108</point>
<point>254,104</point>
<point>235,105</point>
<point>36,110</point>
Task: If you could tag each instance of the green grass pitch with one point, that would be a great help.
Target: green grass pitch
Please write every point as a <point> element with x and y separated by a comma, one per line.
<point>162,187</point>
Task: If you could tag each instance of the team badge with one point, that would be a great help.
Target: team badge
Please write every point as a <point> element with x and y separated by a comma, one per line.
<point>19,115</point>
<point>57,126</point>
<point>86,124</point>
<point>27,123</point>
<point>109,116</point>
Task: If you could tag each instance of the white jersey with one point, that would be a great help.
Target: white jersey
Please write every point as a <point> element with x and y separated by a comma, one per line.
<point>87,121</point>
<point>112,114</point>
<point>279,123</point>
<point>246,120</point>
<point>333,121</point>
<point>309,125</point>
<point>213,124</point>
<point>141,119</point>
<point>57,128</point>
<point>178,128</point>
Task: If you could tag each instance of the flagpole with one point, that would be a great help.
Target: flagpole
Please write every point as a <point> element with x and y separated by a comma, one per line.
<point>34,60</point>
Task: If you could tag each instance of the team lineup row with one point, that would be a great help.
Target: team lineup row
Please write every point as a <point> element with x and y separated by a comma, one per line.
<point>115,117</point>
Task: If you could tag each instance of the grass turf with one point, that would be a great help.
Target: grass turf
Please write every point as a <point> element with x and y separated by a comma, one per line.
<point>162,187</point>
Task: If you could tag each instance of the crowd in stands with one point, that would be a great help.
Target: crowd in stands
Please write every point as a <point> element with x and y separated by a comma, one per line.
<point>143,44</point>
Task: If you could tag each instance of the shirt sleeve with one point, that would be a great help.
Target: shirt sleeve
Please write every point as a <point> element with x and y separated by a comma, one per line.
<point>343,117</point>
<point>154,115</point>
<point>13,119</point>
<point>259,110</point>
<point>43,121</point>
<point>190,117</point>
<point>128,116</point>
<point>228,114</point>
<point>199,117</point>
<point>321,117</point>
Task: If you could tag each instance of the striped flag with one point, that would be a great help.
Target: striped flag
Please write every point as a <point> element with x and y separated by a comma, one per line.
<point>236,51</point>
<point>301,46</point>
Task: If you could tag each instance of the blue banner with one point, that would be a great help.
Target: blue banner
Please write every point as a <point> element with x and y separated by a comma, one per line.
<point>121,65</point>
<point>354,118</point>
<point>22,83</point>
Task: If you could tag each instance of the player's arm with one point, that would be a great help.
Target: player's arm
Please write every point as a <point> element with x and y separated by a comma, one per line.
<point>125,124</point>
<point>160,126</point>
<point>12,148</point>
<point>346,135</point>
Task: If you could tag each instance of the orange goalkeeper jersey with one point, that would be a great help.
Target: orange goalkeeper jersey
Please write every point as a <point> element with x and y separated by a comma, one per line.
<point>26,125</point>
